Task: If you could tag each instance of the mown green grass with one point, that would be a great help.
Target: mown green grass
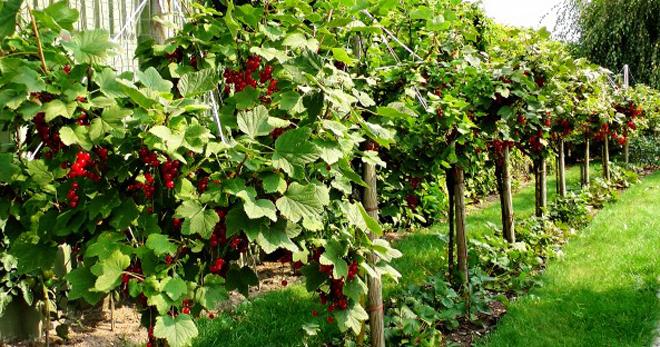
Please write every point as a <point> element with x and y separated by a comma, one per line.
<point>603,292</point>
<point>276,318</point>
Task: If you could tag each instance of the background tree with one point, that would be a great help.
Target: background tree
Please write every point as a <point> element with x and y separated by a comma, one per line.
<point>612,33</point>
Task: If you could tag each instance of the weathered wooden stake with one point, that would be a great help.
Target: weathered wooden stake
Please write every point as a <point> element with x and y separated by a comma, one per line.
<point>112,312</point>
<point>540,185</point>
<point>461,237</point>
<point>626,83</point>
<point>508,221</point>
<point>585,181</point>
<point>374,284</point>
<point>606,159</point>
<point>562,169</point>
<point>450,217</point>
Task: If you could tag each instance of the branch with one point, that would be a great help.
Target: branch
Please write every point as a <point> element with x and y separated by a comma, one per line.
<point>39,47</point>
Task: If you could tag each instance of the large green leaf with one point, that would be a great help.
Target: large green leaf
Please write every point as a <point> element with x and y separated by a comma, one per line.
<point>351,318</point>
<point>89,47</point>
<point>8,11</point>
<point>151,79</point>
<point>7,167</point>
<point>82,283</point>
<point>57,16</point>
<point>178,331</point>
<point>160,244</point>
<point>276,237</point>
<point>198,219</point>
<point>175,288</point>
<point>212,292</point>
<point>197,83</point>
<point>293,148</point>
<point>241,279</point>
<point>111,271</point>
<point>304,202</point>
<point>334,254</point>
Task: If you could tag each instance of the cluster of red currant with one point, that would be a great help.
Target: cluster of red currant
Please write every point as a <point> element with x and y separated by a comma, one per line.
<point>217,266</point>
<point>219,236</point>
<point>412,200</point>
<point>79,167</point>
<point>83,120</point>
<point>535,141</point>
<point>72,195</point>
<point>242,79</point>
<point>203,184</point>
<point>49,137</point>
<point>148,187</point>
<point>169,170</point>
<point>187,304</point>
<point>335,298</point>
<point>148,157</point>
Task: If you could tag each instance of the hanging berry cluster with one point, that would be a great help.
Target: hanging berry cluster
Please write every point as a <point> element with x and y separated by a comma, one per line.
<point>240,80</point>
<point>334,298</point>
<point>48,136</point>
<point>72,195</point>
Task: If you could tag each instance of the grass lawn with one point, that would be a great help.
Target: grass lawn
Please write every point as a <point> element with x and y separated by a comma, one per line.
<point>603,292</point>
<point>276,318</point>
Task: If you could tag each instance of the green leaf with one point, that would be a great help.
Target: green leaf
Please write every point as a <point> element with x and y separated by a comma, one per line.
<point>254,122</point>
<point>57,108</point>
<point>32,256</point>
<point>249,15</point>
<point>304,202</point>
<point>199,219</point>
<point>256,209</point>
<point>355,289</point>
<point>172,141</point>
<point>178,331</point>
<point>341,55</point>
<point>175,288</point>
<point>274,183</point>
<point>197,83</point>
<point>246,98</point>
<point>79,136</point>
<point>293,148</point>
<point>351,318</point>
<point>241,279</point>
<point>371,223</point>
<point>334,254</point>
<point>111,271</point>
<point>8,11</point>
<point>160,244</point>
<point>270,53</point>
<point>124,215</point>
<point>288,100</point>
<point>151,79</point>
<point>212,292</point>
<point>298,40</point>
<point>89,47</point>
<point>39,172</point>
<point>275,238</point>
<point>81,282</point>
<point>57,16</point>
<point>7,168</point>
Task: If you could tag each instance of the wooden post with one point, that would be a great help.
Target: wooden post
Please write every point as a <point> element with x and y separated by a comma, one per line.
<point>450,216</point>
<point>461,238</point>
<point>374,284</point>
<point>148,27</point>
<point>606,159</point>
<point>585,181</point>
<point>112,311</point>
<point>540,186</point>
<point>562,170</point>
<point>626,83</point>
<point>508,222</point>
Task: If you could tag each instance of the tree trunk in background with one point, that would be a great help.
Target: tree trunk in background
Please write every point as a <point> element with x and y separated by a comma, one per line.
<point>557,178</point>
<point>626,149</point>
<point>461,238</point>
<point>508,222</point>
<point>450,216</point>
<point>376,316</point>
<point>562,169</point>
<point>606,159</point>
<point>540,185</point>
<point>148,27</point>
<point>586,178</point>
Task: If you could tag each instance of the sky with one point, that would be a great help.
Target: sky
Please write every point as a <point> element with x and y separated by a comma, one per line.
<point>527,13</point>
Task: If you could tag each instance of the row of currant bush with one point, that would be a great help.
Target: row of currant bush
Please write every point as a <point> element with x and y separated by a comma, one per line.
<point>250,131</point>
<point>426,314</point>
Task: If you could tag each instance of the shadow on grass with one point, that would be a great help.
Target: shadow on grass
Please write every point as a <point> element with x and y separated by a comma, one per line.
<point>274,319</point>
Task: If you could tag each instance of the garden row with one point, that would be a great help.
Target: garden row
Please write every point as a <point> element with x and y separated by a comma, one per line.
<point>267,127</point>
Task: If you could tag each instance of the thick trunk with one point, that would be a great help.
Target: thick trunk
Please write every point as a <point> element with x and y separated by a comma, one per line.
<point>586,178</point>
<point>508,223</point>
<point>149,26</point>
<point>606,159</point>
<point>540,186</point>
<point>562,170</point>
<point>376,323</point>
<point>450,217</point>
<point>626,152</point>
<point>461,238</point>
